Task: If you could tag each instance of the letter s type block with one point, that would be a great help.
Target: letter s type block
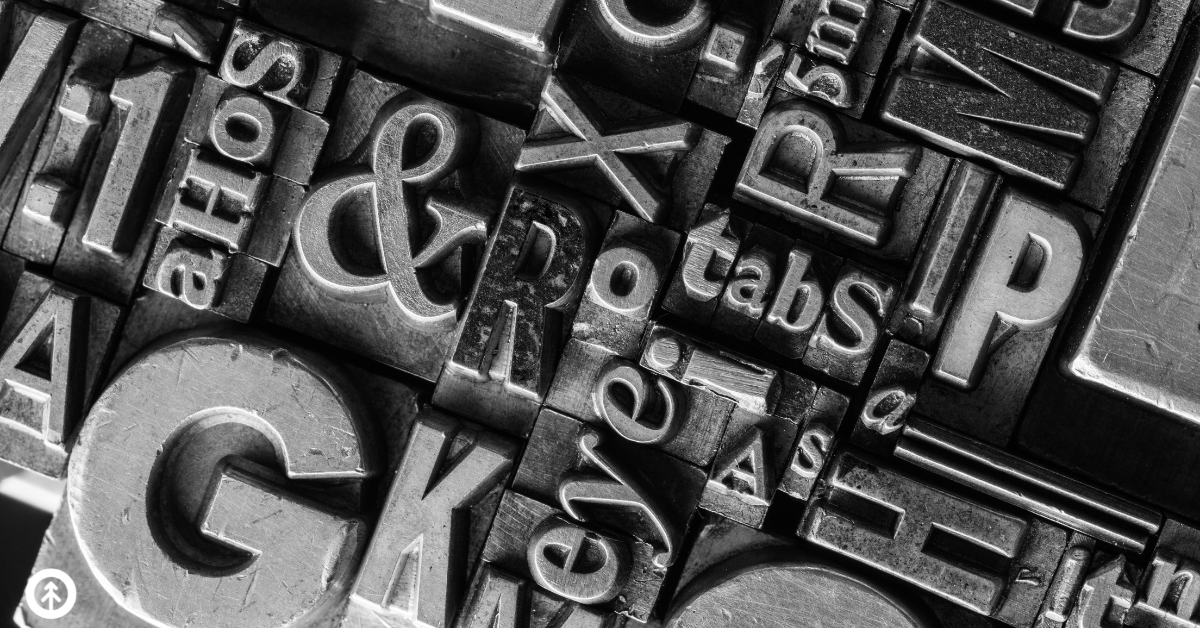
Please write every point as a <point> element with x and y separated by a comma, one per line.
<point>169,487</point>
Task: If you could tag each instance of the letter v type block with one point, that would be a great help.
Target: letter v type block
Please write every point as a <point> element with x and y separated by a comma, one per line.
<point>416,565</point>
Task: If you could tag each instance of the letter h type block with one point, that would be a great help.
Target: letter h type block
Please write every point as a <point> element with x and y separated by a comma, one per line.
<point>992,562</point>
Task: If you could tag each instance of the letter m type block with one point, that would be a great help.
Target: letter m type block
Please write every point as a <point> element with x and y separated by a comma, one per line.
<point>991,92</point>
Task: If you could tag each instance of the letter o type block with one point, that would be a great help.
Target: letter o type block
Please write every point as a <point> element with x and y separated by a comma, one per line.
<point>170,498</point>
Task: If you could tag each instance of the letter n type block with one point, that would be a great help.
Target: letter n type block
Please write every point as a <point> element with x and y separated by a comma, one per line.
<point>417,565</point>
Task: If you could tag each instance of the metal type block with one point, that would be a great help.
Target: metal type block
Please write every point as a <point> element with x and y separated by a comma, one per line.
<point>529,24</point>
<point>153,315</point>
<point>59,168</point>
<point>1035,263</point>
<point>275,220</point>
<point>752,457</point>
<point>1064,594</point>
<point>34,51</point>
<point>167,24</point>
<point>1149,48</point>
<point>157,465</point>
<point>842,89</point>
<point>736,574</point>
<point>534,273</point>
<point>834,174</point>
<point>57,342</point>
<point>784,588</point>
<point>1137,33</point>
<point>486,73</point>
<point>1168,594</point>
<point>754,387</point>
<point>260,133</point>
<point>626,279</point>
<point>708,254</point>
<point>743,479</point>
<point>416,568</point>
<point>814,448</point>
<point>101,328</point>
<point>727,64</point>
<point>851,33</point>
<point>367,94</point>
<point>108,238</point>
<point>392,405</point>
<point>281,68</point>
<point>621,152</point>
<point>500,599</point>
<point>1075,127</point>
<point>1021,281</point>
<point>523,523</point>
<point>992,410</point>
<point>770,61</point>
<point>212,198</point>
<point>205,276</point>
<point>1056,497</point>
<point>599,478</point>
<point>798,301</point>
<point>761,265</point>
<point>1112,441</point>
<point>384,252</point>
<point>1108,156</point>
<point>649,55</point>
<point>1135,338</point>
<point>598,387</point>
<point>891,398</point>
<point>942,259</point>
<point>718,540</point>
<point>990,561</point>
<point>844,342</point>
<point>1106,595</point>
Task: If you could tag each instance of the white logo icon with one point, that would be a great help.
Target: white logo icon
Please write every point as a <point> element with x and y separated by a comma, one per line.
<point>50,594</point>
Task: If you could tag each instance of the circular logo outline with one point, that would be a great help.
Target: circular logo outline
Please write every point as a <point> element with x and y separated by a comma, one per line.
<point>35,605</point>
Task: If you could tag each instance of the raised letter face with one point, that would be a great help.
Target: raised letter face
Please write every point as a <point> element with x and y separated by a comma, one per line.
<point>160,466</point>
<point>518,320</point>
<point>800,167</point>
<point>1023,278</point>
<point>416,567</point>
<point>972,115</point>
<point>577,564</point>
